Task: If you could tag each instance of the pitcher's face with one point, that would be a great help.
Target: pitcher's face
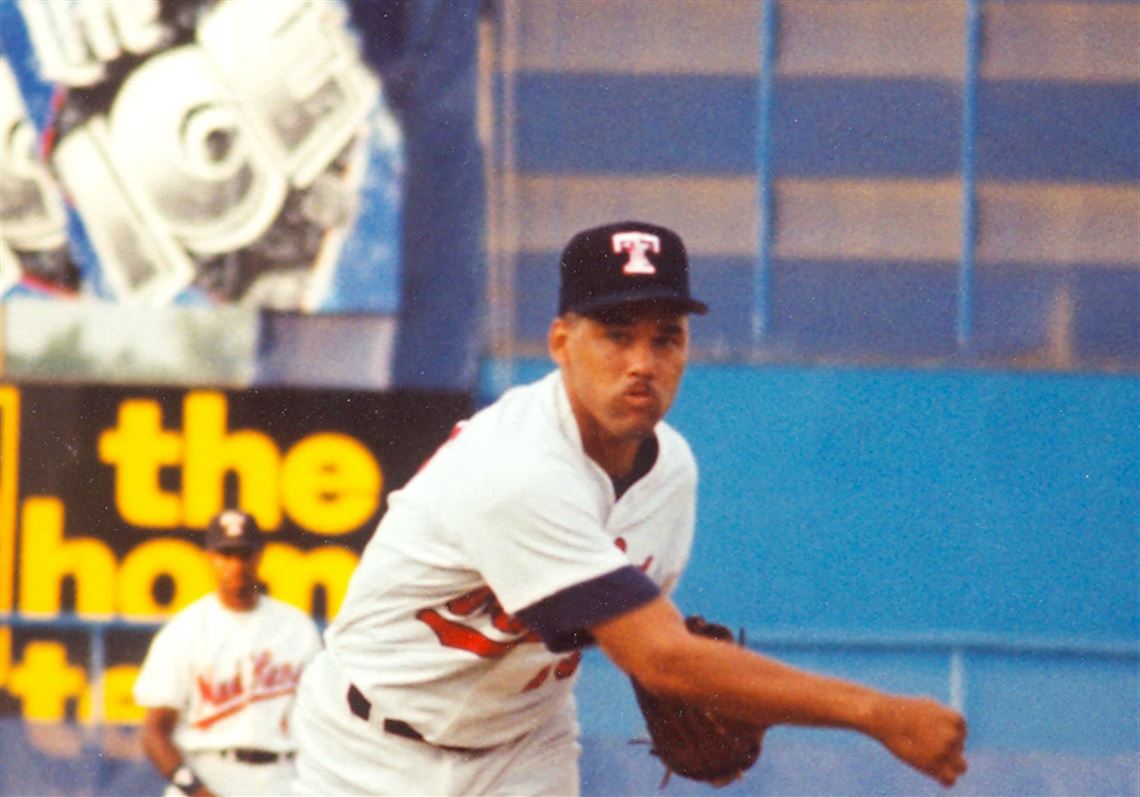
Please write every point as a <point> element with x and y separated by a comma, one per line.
<point>621,369</point>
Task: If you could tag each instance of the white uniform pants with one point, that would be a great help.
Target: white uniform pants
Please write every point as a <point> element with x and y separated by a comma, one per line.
<point>227,777</point>
<point>341,754</point>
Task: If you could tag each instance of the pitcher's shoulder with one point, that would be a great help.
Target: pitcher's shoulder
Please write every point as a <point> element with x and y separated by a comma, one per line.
<point>675,449</point>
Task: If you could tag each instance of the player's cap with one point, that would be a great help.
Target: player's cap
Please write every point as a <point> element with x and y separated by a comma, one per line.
<point>233,530</point>
<point>630,261</point>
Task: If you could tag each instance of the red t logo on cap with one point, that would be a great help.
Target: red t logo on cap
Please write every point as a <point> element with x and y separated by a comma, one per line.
<point>637,244</point>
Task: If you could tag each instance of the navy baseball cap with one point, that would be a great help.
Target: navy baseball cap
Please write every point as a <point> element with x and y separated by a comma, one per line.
<point>231,530</point>
<point>622,263</point>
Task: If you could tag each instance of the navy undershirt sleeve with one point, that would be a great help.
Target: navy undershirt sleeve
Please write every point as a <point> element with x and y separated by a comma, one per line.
<point>562,619</point>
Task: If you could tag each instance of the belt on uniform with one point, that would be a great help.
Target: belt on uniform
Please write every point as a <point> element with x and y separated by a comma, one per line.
<point>360,706</point>
<point>249,756</point>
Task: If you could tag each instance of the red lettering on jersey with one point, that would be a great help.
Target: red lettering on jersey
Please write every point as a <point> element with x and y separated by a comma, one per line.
<point>562,670</point>
<point>268,676</point>
<point>456,635</point>
<point>476,599</point>
<point>539,679</point>
<point>221,692</point>
<point>483,598</point>
<point>268,679</point>
<point>478,603</point>
<point>482,602</point>
<point>568,665</point>
<point>509,624</point>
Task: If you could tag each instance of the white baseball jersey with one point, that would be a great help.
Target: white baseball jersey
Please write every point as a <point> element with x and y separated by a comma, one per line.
<point>231,675</point>
<point>466,613</point>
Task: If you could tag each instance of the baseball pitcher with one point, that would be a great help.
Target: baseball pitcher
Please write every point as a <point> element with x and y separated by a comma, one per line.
<point>560,516</point>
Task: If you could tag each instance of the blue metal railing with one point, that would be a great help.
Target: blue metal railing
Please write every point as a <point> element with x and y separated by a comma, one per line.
<point>96,630</point>
<point>969,198</point>
<point>956,646</point>
<point>769,44</point>
<point>764,197</point>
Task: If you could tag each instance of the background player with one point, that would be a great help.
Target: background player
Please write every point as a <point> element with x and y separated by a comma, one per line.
<point>219,679</point>
<point>559,516</point>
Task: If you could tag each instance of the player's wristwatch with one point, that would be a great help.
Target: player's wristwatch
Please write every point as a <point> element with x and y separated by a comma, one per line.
<point>185,779</point>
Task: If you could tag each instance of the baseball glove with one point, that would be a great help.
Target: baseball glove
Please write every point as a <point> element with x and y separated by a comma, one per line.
<point>694,741</point>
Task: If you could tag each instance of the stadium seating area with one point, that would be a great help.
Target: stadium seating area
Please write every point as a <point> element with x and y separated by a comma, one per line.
<point>907,182</point>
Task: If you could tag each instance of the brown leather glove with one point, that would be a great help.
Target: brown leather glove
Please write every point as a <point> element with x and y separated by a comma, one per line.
<point>694,741</point>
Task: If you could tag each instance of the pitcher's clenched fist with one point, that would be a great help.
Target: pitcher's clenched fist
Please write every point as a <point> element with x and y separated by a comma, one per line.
<point>923,733</point>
